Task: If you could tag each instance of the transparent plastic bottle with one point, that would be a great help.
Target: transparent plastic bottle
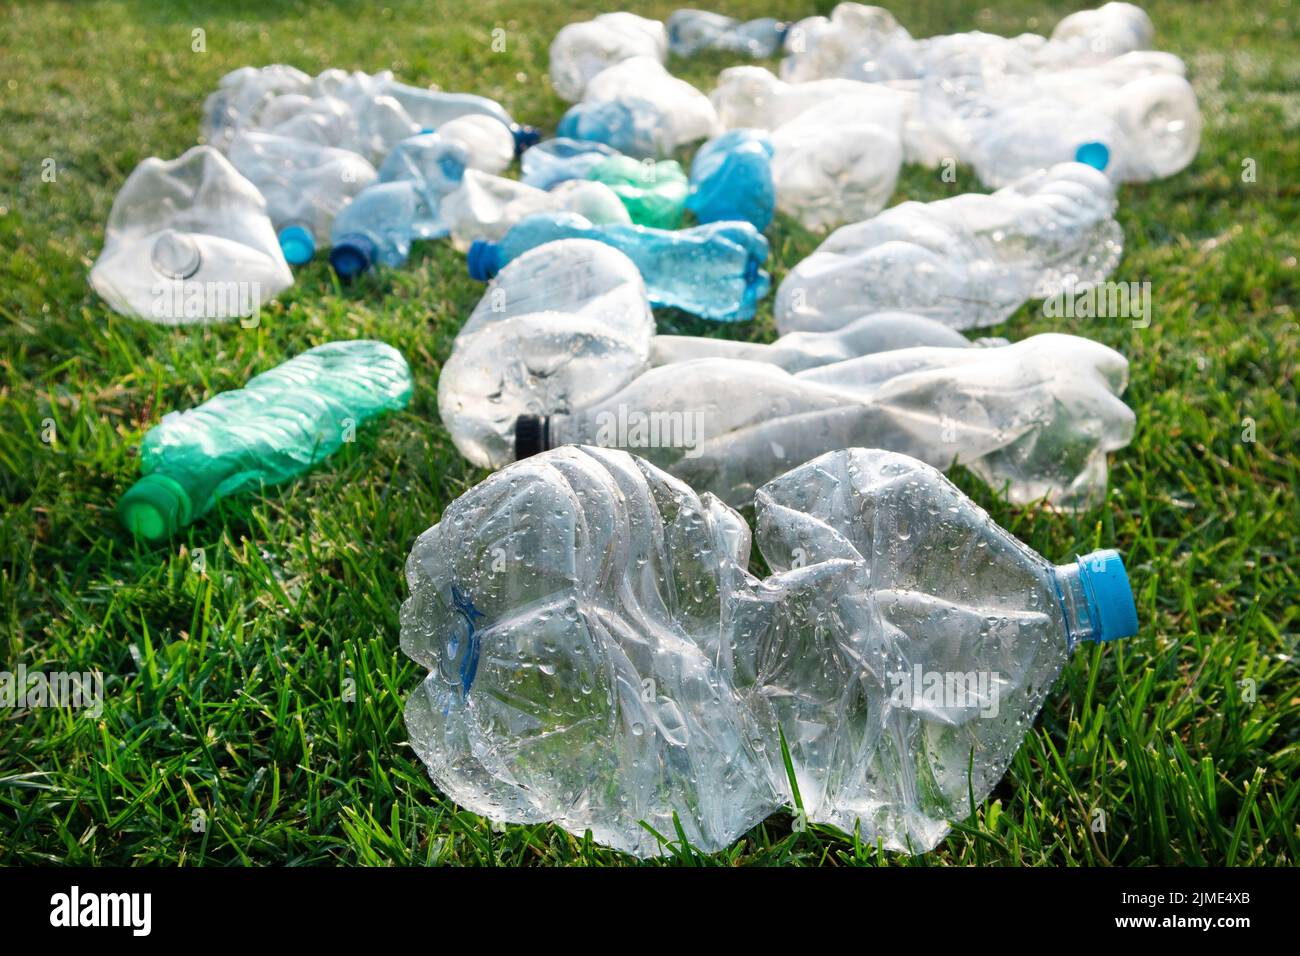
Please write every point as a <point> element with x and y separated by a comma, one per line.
<point>567,611</point>
<point>439,159</point>
<point>189,240</point>
<point>598,656</point>
<point>969,261</point>
<point>731,179</point>
<point>671,111</point>
<point>904,643</point>
<point>881,332</point>
<point>713,271</point>
<point>380,224</point>
<point>654,193</point>
<point>484,207</point>
<point>553,161</point>
<point>690,31</point>
<point>582,50</point>
<point>304,185</point>
<point>1035,418</point>
<point>562,326</point>
<point>838,162</point>
<point>276,427</point>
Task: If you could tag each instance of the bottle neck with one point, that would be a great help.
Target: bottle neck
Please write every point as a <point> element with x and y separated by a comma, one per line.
<point>1080,621</point>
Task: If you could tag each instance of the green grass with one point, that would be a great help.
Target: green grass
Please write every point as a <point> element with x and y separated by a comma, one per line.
<point>227,690</point>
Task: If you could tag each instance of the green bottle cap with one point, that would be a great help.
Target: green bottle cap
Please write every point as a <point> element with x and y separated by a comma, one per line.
<point>155,507</point>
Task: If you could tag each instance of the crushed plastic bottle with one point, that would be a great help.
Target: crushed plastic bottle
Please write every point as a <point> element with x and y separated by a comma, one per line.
<point>866,43</point>
<point>553,161</point>
<point>366,113</point>
<point>379,225</point>
<point>484,208</point>
<point>969,261</point>
<point>691,31</point>
<point>714,271</point>
<point>904,643</point>
<point>838,162</point>
<point>189,240</point>
<point>304,185</point>
<point>1035,418</point>
<point>598,656</point>
<point>1111,30</point>
<point>562,326</point>
<point>641,109</point>
<point>654,193</point>
<point>582,50</point>
<point>882,332</point>
<point>856,41</point>
<point>731,179</point>
<point>439,159</point>
<point>753,97</point>
<point>276,427</point>
<point>567,610</point>
<point>1135,117</point>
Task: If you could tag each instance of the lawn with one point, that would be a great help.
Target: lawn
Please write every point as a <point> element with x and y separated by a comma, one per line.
<point>254,684</point>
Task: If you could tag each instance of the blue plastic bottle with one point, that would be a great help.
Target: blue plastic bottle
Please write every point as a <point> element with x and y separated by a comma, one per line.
<point>714,271</point>
<point>377,227</point>
<point>630,126</point>
<point>731,178</point>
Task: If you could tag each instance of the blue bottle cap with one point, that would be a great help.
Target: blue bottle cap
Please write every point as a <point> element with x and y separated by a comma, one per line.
<point>483,260</point>
<point>525,136</point>
<point>1110,597</point>
<point>298,244</point>
<point>352,255</point>
<point>1096,155</point>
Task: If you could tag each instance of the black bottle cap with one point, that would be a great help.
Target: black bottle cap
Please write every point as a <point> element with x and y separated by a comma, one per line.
<point>530,436</point>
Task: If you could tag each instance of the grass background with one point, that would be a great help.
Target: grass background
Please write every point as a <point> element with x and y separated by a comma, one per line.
<point>226,689</point>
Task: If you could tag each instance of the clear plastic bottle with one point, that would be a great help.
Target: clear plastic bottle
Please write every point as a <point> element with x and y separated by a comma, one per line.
<point>562,326</point>
<point>671,111</point>
<point>189,240</point>
<point>567,611</point>
<point>276,427</point>
<point>1035,418</point>
<point>713,271</point>
<point>380,224</point>
<point>969,261</point>
<point>731,179</point>
<point>582,50</point>
<point>838,162</point>
<point>904,643</point>
<point>553,161</point>
<point>304,185</point>
<point>690,31</point>
<point>484,207</point>
<point>881,332</point>
<point>598,656</point>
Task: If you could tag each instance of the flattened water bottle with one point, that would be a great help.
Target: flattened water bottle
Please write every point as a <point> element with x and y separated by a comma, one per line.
<point>904,643</point>
<point>714,271</point>
<point>276,427</point>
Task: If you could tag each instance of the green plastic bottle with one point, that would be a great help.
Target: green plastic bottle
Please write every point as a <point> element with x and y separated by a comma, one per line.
<point>653,193</point>
<point>276,427</point>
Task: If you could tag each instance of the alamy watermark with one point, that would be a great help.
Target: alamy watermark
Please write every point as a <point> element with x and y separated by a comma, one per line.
<point>184,299</point>
<point>79,690</point>
<point>946,690</point>
<point>630,428</point>
<point>1107,300</point>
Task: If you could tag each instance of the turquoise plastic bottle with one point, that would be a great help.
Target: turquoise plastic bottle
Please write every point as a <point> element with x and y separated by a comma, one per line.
<point>276,427</point>
<point>713,271</point>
